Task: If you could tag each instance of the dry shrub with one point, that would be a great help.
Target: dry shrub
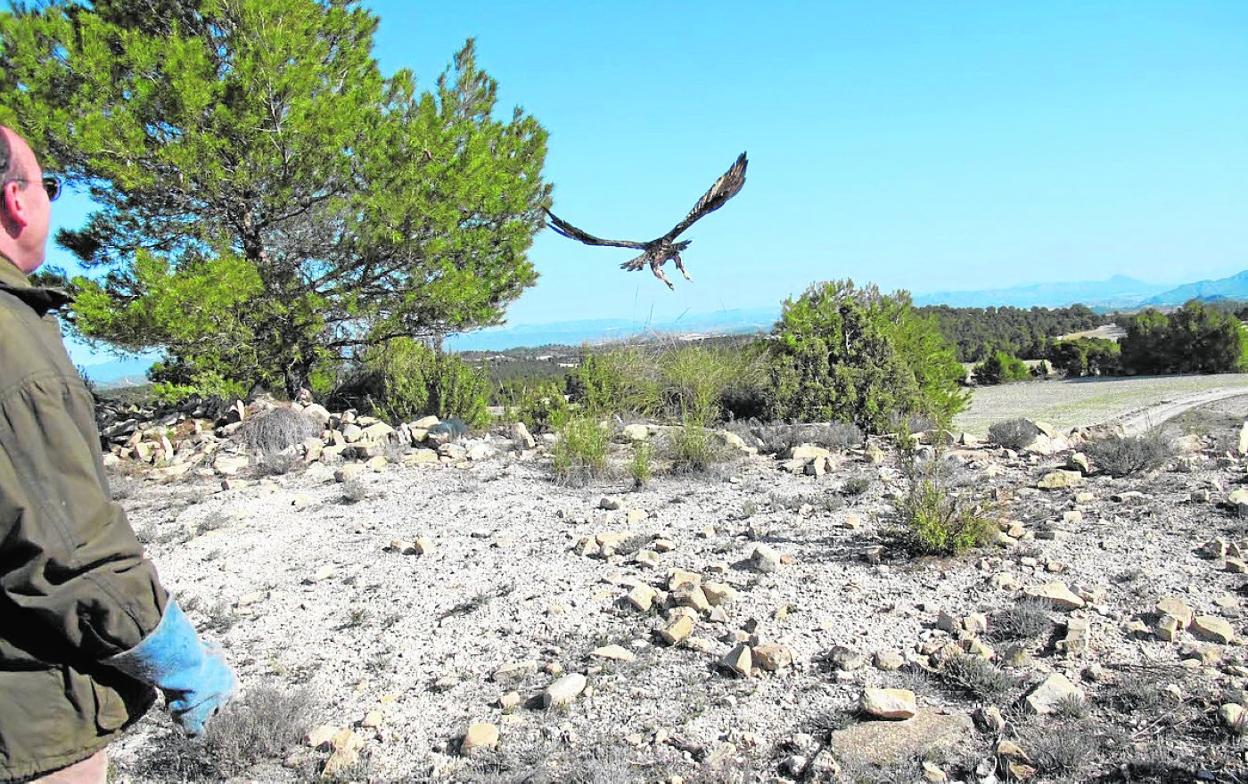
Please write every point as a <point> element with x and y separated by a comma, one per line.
<point>278,429</point>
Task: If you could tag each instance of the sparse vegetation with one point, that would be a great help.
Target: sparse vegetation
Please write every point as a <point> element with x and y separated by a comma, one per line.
<point>976,677</point>
<point>1014,433</point>
<point>404,379</point>
<point>1121,456</point>
<point>276,430</point>
<point>541,406</point>
<point>856,484</point>
<point>693,449</point>
<point>580,454</point>
<point>1026,620</point>
<point>355,490</point>
<point>937,519</point>
<point>639,467</point>
<point>1061,747</point>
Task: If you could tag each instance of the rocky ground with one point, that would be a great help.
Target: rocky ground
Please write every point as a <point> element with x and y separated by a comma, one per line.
<point>398,613</point>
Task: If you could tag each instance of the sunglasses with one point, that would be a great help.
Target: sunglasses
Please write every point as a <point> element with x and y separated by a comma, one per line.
<point>51,185</point>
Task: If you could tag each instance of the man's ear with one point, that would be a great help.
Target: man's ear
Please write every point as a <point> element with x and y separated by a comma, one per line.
<point>13,203</point>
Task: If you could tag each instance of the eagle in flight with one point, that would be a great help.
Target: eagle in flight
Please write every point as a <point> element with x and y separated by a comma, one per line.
<point>658,252</point>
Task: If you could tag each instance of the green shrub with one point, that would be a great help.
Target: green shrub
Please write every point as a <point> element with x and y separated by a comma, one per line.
<point>934,519</point>
<point>1086,357</point>
<point>1001,368</point>
<point>1121,456</point>
<point>976,677</point>
<point>617,381</point>
<point>639,467</point>
<point>695,380</point>
<point>403,379</point>
<point>541,406</point>
<point>1013,433</point>
<point>1027,620</point>
<point>693,449</point>
<point>851,355</point>
<point>580,454</point>
<point>1197,338</point>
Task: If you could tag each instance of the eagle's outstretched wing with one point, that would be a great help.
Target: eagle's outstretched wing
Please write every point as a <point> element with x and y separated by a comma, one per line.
<point>568,230</point>
<point>727,186</point>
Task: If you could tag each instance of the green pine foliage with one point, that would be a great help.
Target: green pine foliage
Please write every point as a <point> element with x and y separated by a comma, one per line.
<point>1197,338</point>
<point>855,355</point>
<point>289,203</point>
<point>977,333</point>
<point>1086,357</point>
<point>1001,368</point>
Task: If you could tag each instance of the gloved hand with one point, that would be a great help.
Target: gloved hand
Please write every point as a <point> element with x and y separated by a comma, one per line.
<point>195,679</point>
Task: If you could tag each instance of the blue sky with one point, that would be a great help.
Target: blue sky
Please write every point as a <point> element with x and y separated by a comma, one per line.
<point>919,145</point>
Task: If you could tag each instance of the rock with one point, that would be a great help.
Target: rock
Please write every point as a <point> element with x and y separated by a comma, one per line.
<point>772,657</point>
<point>346,755</point>
<point>1242,443</point>
<point>1060,480</point>
<point>1046,697</point>
<point>719,594</point>
<point>677,630</point>
<point>647,558</point>
<point>1078,461</point>
<point>229,465</point>
<point>1215,548</point>
<point>641,598</point>
<point>764,559</point>
<point>1233,717</point>
<point>1168,628</point>
<point>610,503</point>
<point>320,736</point>
<point>691,596</point>
<point>564,691</point>
<point>510,701</point>
<point>1058,594</point>
<point>372,720</point>
<point>1175,608</point>
<point>636,433</point>
<point>1212,628</point>
<point>806,453</point>
<point>614,653</point>
<point>740,660</point>
<point>349,472</point>
<point>884,743</point>
<point>888,660</point>
<point>1236,566</point>
<point>514,672</point>
<point>521,438</point>
<point>846,659</point>
<point>990,719</point>
<point>890,704</point>
<point>679,577</point>
<point>1077,639</point>
<point>479,452</point>
<point>481,736</point>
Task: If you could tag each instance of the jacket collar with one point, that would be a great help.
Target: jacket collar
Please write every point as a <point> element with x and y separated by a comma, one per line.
<point>39,299</point>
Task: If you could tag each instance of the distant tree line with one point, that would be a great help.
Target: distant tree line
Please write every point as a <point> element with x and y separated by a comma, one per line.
<point>978,334</point>
<point>1200,337</point>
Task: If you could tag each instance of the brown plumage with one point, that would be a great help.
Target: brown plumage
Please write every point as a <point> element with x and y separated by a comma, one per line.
<point>659,251</point>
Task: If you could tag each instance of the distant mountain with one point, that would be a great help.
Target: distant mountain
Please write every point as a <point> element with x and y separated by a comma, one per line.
<point>1234,287</point>
<point>600,330</point>
<point>1118,291</point>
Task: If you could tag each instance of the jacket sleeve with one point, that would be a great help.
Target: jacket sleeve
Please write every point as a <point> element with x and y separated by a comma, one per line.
<point>72,574</point>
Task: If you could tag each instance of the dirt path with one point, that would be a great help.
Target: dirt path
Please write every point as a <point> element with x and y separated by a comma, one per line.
<point>1154,416</point>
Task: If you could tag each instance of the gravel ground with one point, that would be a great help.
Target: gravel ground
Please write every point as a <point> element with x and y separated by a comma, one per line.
<point>1084,401</point>
<point>293,580</point>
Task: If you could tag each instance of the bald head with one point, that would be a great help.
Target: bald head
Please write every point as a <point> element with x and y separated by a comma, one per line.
<point>25,211</point>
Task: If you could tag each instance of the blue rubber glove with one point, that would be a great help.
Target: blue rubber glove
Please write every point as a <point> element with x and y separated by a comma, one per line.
<point>195,680</point>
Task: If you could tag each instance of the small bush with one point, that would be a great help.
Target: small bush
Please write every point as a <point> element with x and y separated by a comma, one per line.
<point>639,467</point>
<point>693,449</point>
<point>260,726</point>
<point>1063,748</point>
<point>1014,433</point>
<point>617,381</point>
<point>542,407</point>
<point>836,436</point>
<point>1000,368</point>
<point>1121,456</point>
<point>936,521</point>
<point>580,454</point>
<point>279,463</point>
<point>976,677</point>
<point>356,489</point>
<point>277,430</point>
<point>856,484</point>
<point>1027,620</point>
<point>403,379</point>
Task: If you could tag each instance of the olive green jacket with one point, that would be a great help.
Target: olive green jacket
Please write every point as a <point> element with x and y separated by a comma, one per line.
<point>75,587</point>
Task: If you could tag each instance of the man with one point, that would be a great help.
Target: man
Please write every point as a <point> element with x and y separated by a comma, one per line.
<point>86,630</point>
